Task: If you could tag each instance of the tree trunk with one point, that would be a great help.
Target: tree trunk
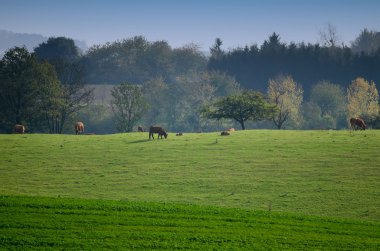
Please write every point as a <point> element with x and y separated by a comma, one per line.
<point>242,124</point>
<point>62,122</point>
<point>278,123</point>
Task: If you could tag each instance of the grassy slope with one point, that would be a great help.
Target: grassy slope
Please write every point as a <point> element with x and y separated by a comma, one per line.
<point>325,173</point>
<point>43,223</point>
<point>304,172</point>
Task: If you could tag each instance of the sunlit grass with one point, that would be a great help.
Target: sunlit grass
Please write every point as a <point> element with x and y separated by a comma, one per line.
<point>55,223</point>
<point>325,173</point>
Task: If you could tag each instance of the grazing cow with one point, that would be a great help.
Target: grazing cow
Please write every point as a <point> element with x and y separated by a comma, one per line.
<point>179,134</point>
<point>159,130</point>
<point>19,129</point>
<point>224,133</point>
<point>140,129</point>
<point>79,128</point>
<point>357,123</point>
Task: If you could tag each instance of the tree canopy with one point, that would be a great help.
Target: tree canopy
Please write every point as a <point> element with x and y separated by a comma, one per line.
<point>60,48</point>
<point>363,99</point>
<point>63,54</point>
<point>137,60</point>
<point>249,105</point>
<point>29,91</point>
<point>177,82</point>
<point>253,65</point>
<point>288,97</point>
<point>128,106</point>
<point>367,42</point>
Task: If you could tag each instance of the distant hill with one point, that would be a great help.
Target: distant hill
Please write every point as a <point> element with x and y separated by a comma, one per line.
<point>9,39</point>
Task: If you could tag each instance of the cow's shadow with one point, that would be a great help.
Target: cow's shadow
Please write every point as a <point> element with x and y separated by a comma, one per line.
<point>139,141</point>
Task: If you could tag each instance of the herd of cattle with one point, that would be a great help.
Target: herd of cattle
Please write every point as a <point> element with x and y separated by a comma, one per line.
<point>79,129</point>
<point>355,123</point>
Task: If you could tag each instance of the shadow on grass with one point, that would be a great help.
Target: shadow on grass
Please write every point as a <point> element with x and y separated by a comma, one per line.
<point>139,141</point>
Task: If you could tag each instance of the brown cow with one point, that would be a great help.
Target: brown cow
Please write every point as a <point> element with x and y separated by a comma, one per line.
<point>79,128</point>
<point>19,129</point>
<point>159,130</point>
<point>357,123</point>
<point>140,129</point>
<point>231,129</point>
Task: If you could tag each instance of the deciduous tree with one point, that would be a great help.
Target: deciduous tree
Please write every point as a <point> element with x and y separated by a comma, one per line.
<point>58,48</point>
<point>329,35</point>
<point>188,58</point>
<point>367,42</point>
<point>249,105</point>
<point>331,100</point>
<point>196,92</point>
<point>156,95</point>
<point>128,106</point>
<point>288,97</point>
<point>63,54</point>
<point>29,91</point>
<point>363,99</point>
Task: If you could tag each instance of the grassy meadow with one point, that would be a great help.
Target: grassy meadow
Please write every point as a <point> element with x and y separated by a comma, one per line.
<point>56,223</point>
<point>323,185</point>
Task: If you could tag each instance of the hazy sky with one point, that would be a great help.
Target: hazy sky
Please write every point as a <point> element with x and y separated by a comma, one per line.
<point>236,22</point>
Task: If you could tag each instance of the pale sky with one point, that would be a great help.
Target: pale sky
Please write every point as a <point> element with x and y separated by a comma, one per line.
<point>180,22</point>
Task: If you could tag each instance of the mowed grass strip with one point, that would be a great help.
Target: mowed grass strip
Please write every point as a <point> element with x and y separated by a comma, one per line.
<point>57,223</point>
<point>325,173</point>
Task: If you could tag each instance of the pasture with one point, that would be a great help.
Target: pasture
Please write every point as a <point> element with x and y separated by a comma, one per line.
<point>56,223</point>
<point>321,176</point>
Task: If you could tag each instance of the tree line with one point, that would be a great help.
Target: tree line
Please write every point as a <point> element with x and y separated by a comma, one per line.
<point>253,65</point>
<point>288,86</point>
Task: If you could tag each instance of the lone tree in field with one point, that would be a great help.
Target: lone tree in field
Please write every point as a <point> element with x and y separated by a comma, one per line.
<point>287,96</point>
<point>249,105</point>
<point>128,106</point>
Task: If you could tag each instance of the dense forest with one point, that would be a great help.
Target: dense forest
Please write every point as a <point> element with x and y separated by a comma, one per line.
<point>174,85</point>
<point>252,66</point>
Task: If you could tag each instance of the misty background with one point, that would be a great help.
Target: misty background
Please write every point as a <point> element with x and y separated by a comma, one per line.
<point>185,55</point>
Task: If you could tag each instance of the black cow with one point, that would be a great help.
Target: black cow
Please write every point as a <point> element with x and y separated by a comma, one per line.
<point>157,129</point>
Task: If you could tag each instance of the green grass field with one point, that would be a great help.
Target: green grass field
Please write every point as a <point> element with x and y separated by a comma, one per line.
<point>30,222</point>
<point>304,189</point>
